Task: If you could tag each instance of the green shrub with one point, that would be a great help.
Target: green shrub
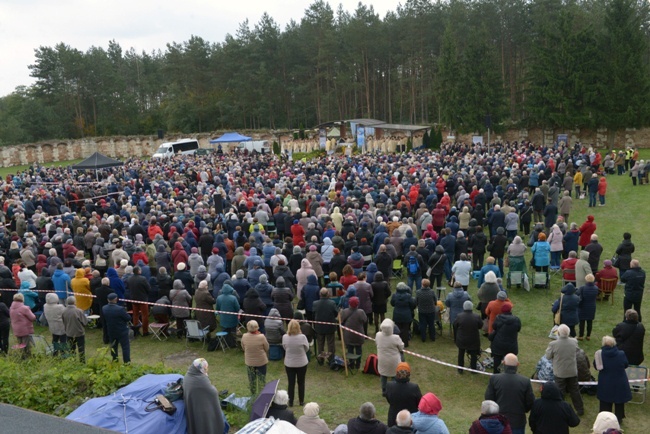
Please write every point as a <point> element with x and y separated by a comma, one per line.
<point>276,148</point>
<point>58,386</point>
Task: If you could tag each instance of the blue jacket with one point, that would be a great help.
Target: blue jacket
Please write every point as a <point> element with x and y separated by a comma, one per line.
<point>570,301</point>
<point>587,304</point>
<point>613,384</point>
<point>486,268</point>
<point>116,320</point>
<point>371,270</point>
<point>403,304</point>
<point>116,283</point>
<point>455,302</point>
<point>379,238</point>
<point>61,281</point>
<point>310,292</point>
<point>227,302</point>
<point>542,253</point>
<point>428,424</point>
<point>571,241</point>
<point>30,296</point>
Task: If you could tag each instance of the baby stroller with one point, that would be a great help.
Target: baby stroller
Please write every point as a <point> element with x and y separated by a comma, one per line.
<point>516,271</point>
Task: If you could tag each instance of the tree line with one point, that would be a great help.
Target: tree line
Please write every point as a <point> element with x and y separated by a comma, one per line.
<point>522,63</point>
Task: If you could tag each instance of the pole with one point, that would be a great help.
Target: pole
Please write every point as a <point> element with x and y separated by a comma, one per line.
<point>345,359</point>
<point>488,140</point>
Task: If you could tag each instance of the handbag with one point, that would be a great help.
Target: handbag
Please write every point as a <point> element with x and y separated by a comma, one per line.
<point>616,261</point>
<point>301,304</point>
<point>553,334</point>
<point>174,391</point>
<point>557,318</point>
<point>161,403</point>
<point>100,262</point>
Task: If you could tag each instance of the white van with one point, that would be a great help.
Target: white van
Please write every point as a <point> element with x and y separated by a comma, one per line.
<point>261,146</point>
<point>183,146</point>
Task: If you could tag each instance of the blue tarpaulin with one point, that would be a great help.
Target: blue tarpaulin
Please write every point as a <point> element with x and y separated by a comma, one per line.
<point>231,138</point>
<point>124,411</point>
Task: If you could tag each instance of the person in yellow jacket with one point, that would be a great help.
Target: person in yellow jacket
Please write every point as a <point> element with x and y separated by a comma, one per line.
<point>577,182</point>
<point>81,285</point>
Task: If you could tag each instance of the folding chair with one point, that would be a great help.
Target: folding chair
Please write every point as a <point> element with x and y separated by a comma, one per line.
<point>158,330</point>
<point>270,227</point>
<point>194,331</point>
<point>638,388</point>
<point>569,276</point>
<point>397,268</point>
<point>221,339</point>
<point>41,346</point>
<point>607,287</point>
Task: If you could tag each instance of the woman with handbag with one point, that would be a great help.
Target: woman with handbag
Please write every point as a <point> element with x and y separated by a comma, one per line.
<point>567,308</point>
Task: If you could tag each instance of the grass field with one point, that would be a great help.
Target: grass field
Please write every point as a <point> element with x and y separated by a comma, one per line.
<point>340,397</point>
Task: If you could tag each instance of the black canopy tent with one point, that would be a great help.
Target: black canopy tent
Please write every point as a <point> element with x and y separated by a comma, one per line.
<point>97,161</point>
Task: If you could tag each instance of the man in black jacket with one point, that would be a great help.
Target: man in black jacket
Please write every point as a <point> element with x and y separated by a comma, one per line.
<point>116,327</point>
<point>366,423</point>
<point>550,413</point>
<point>325,311</point>
<point>634,280</point>
<point>140,288</point>
<point>467,326</point>
<point>513,392</point>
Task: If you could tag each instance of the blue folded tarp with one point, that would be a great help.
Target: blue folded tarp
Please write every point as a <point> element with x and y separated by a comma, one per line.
<point>124,411</point>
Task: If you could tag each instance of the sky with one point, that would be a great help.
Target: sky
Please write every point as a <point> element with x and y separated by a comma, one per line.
<point>145,25</point>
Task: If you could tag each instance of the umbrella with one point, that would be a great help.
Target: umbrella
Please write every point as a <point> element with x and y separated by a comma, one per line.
<point>240,403</point>
<point>264,400</point>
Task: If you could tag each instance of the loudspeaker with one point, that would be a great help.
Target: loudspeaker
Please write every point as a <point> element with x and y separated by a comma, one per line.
<point>161,134</point>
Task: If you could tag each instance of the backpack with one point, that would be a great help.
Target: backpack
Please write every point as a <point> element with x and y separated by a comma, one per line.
<point>372,365</point>
<point>413,266</point>
<point>337,364</point>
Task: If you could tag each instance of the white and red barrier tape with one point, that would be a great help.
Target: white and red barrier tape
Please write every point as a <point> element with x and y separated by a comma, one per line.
<point>421,356</point>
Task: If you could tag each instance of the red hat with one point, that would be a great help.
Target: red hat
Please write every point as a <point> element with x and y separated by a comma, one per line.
<point>430,404</point>
<point>354,302</point>
<point>215,250</point>
<point>506,308</point>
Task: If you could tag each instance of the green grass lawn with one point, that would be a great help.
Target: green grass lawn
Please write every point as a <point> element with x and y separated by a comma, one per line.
<point>340,397</point>
<point>4,171</point>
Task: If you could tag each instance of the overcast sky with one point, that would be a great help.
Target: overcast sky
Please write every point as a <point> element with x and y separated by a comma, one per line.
<point>142,24</point>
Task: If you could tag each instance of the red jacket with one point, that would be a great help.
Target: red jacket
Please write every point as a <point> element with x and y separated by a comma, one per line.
<point>602,186</point>
<point>586,230</point>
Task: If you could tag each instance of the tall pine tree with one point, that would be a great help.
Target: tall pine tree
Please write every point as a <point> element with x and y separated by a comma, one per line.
<point>624,85</point>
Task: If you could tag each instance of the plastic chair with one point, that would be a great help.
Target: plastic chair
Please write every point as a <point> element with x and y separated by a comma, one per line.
<point>607,287</point>
<point>638,388</point>
<point>194,331</point>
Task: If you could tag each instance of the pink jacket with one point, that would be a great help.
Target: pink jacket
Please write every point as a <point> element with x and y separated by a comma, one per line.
<point>22,319</point>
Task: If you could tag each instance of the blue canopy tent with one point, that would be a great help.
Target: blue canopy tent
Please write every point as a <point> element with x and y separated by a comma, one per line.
<point>231,138</point>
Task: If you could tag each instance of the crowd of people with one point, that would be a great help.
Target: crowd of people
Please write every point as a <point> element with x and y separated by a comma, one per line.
<point>258,236</point>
